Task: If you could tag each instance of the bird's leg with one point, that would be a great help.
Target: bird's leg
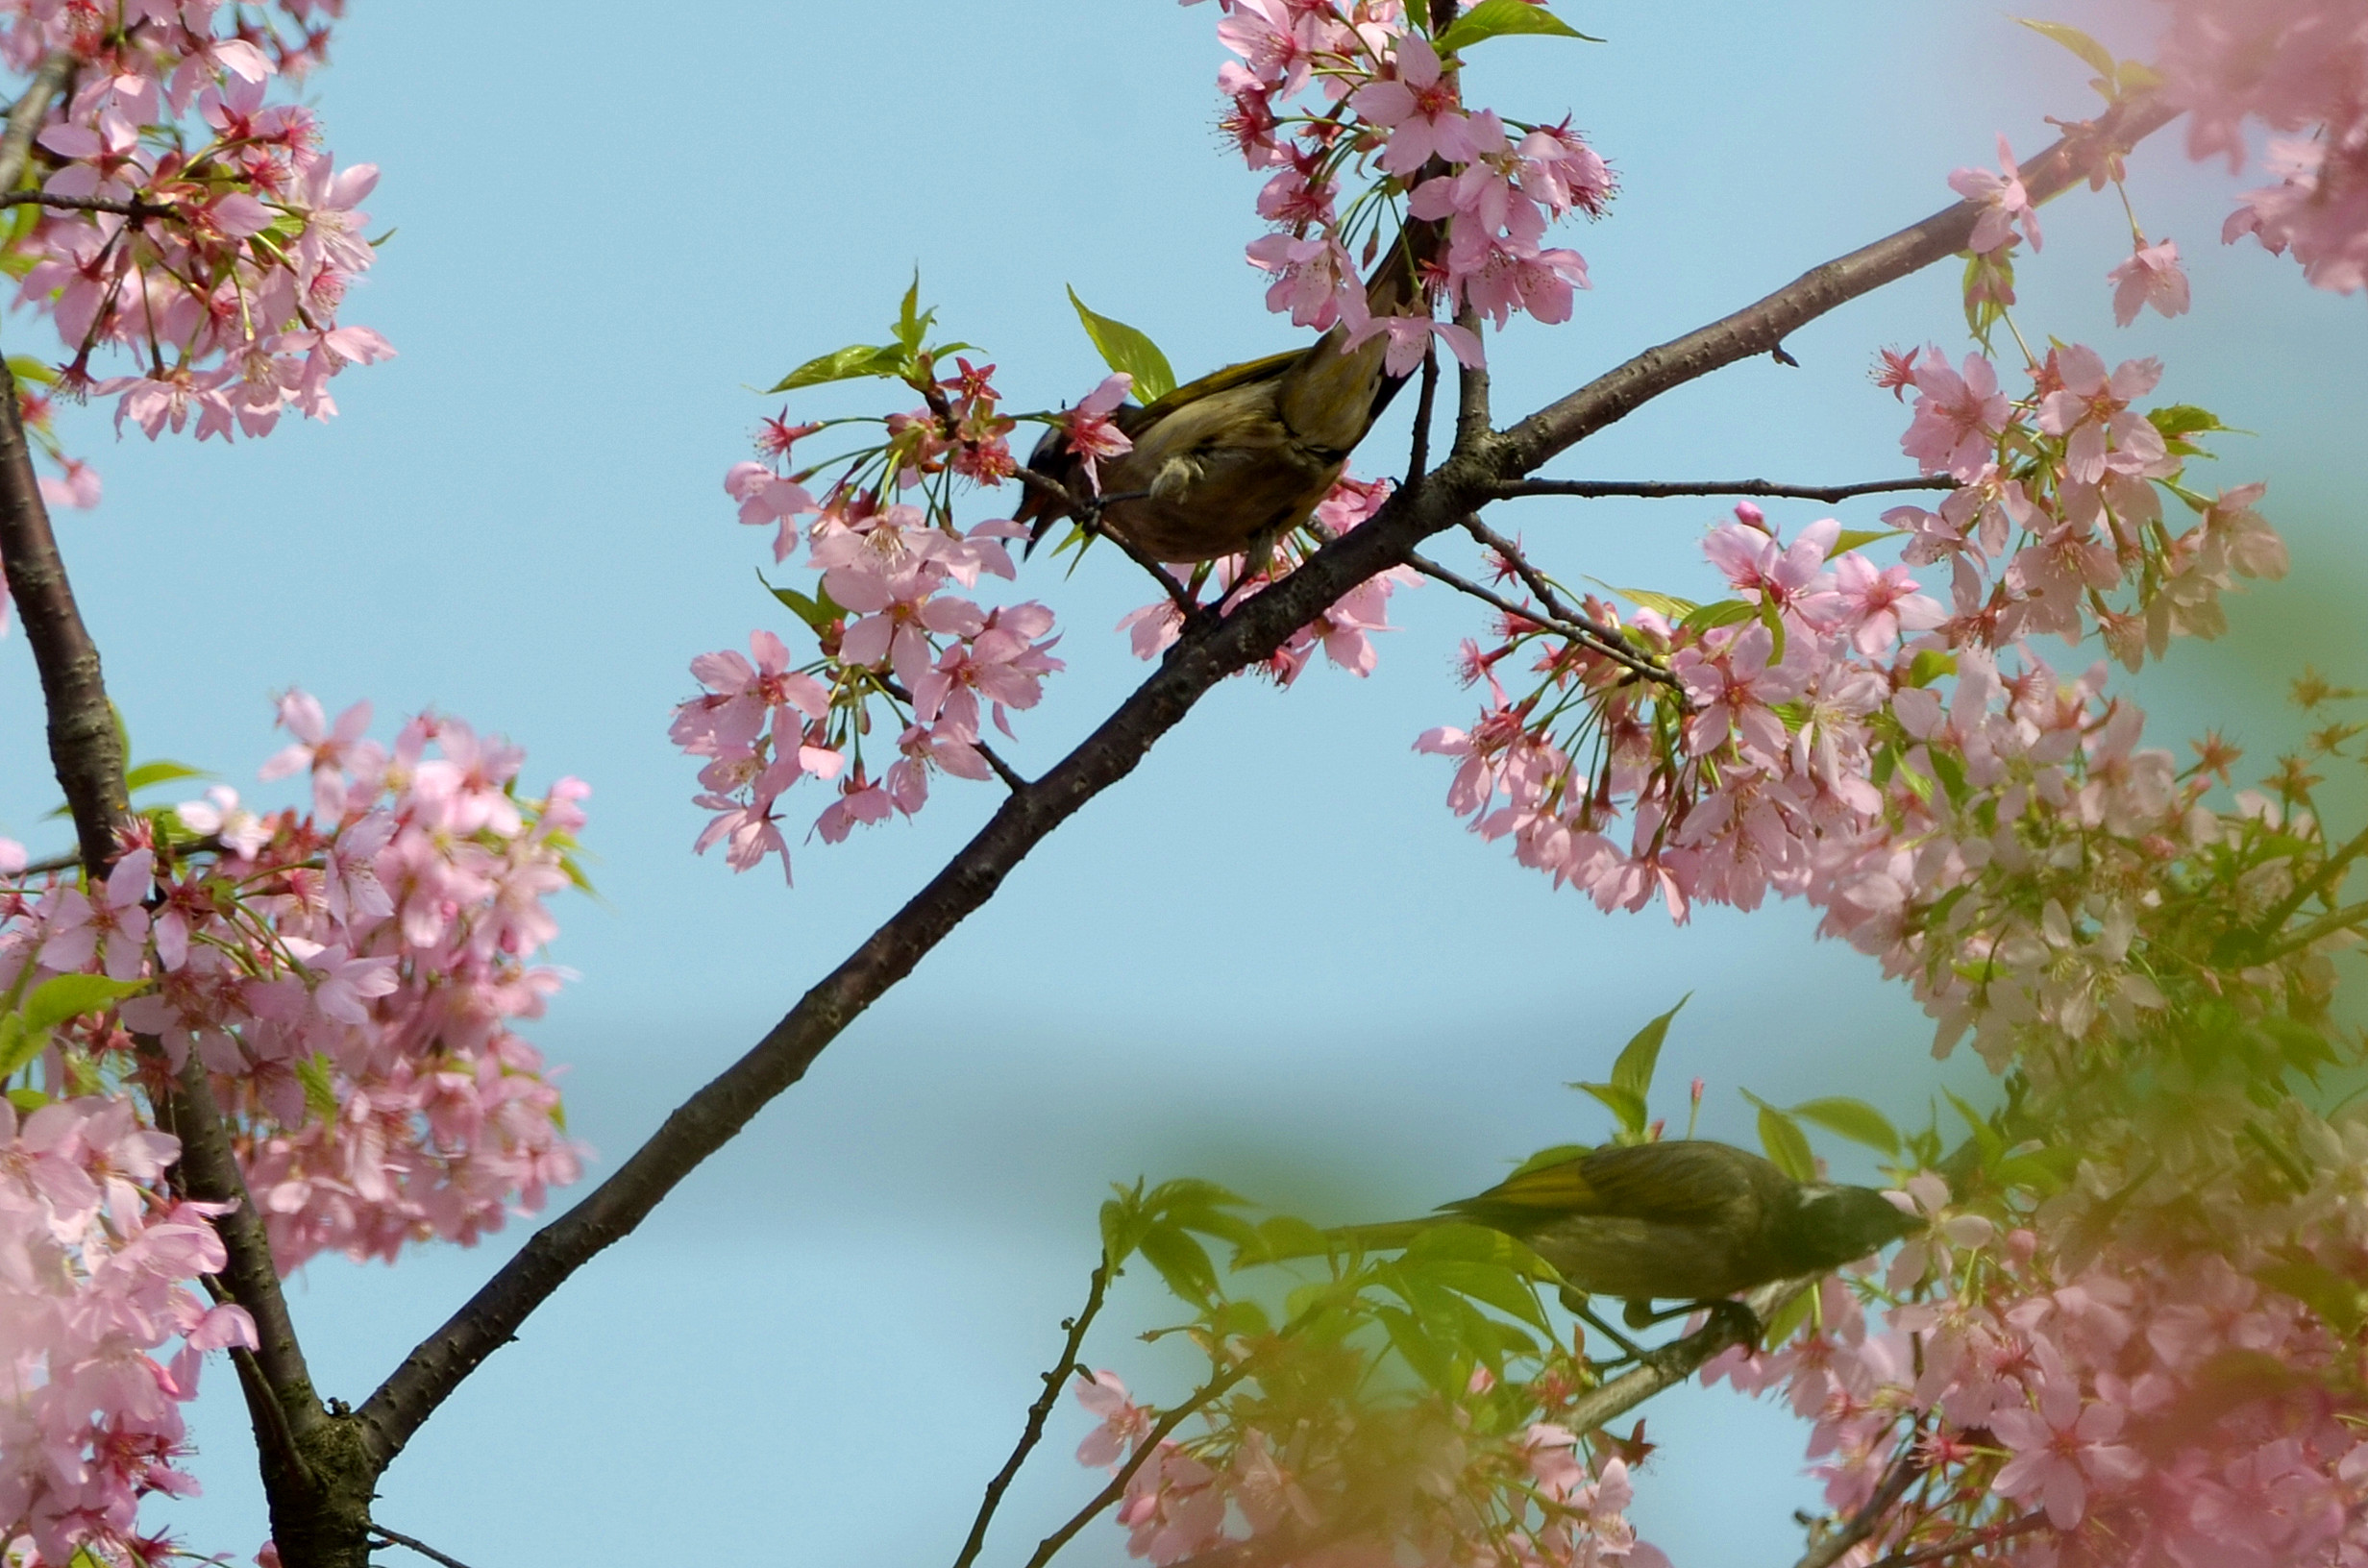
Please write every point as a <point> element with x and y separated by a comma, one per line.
<point>1741,1320</point>
<point>1576,1302</point>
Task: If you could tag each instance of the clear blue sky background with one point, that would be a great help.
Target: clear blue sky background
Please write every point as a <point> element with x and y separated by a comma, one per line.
<point>1271,957</point>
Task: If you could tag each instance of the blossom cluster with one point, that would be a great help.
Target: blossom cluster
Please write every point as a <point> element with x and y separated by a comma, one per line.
<point>893,633</point>
<point>186,220</point>
<point>348,977</point>
<point>2298,67</point>
<point>95,1264</point>
<point>1326,94</point>
<point>1798,740</point>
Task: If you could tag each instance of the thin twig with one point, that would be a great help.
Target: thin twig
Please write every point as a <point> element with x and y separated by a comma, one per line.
<point>1144,1450</point>
<point>391,1537</point>
<point>1901,1474</point>
<point>1002,769</point>
<point>1603,640</point>
<point>1511,554</point>
<point>1426,397</point>
<point>2326,925</point>
<point>1971,1541</point>
<point>1088,510</point>
<point>1659,489</point>
<point>1034,1430</point>
<point>2329,876</point>
<point>132,207</point>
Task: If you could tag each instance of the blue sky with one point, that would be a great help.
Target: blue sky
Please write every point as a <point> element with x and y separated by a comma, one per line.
<point>1271,957</point>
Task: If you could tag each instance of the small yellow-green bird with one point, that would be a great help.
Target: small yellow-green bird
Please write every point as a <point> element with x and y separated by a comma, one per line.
<point>1233,461</point>
<point>1687,1221</point>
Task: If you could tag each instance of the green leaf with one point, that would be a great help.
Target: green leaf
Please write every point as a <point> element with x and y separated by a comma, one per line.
<point>1430,1362</point>
<point>25,368</point>
<point>2093,54</point>
<point>1128,351</point>
<point>19,1045</point>
<point>1773,619</point>
<point>1463,1242</point>
<point>1634,1070</point>
<point>1725,612</point>
<point>818,611</point>
<point>1627,1105</point>
<point>27,1100</point>
<point>1850,539</point>
<point>1930,665</point>
<point>1554,1156</point>
<point>149,775</point>
<point>1788,1318</point>
<point>1494,18</point>
<point>70,995</point>
<point>1182,1262</point>
<point>843,364</point>
<point>1854,1119</point>
<point>1669,607</point>
<point>1786,1145</point>
<point>912,322</point>
<point>1283,1237</point>
<point>1498,1287</point>
<point>320,1089</point>
<point>2338,1302</point>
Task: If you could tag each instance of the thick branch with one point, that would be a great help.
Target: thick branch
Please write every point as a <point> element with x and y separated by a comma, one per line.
<point>1758,328</point>
<point>26,114</point>
<point>129,207</point>
<point>1210,648</point>
<point>1659,490</point>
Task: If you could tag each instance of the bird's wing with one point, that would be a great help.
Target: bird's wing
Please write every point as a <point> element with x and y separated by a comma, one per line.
<point>1215,381</point>
<point>1676,1183</point>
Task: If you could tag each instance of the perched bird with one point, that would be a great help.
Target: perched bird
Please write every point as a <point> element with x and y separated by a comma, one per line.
<point>1683,1220</point>
<point>1687,1220</point>
<point>1233,461</point>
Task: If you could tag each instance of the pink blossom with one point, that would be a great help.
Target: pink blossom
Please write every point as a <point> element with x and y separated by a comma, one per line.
<point>2003,201</point>
<point>2150,276</point>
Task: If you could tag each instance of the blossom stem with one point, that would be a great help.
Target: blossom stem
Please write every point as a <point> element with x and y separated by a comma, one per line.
<point>1209,1390</point>
<point>1658,490</point>
<point>1905,1468</point>
<point>1034,1430</point>
<point>1603,640</point>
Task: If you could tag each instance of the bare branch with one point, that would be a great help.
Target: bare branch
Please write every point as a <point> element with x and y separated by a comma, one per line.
<point>1973,1540</point>
<point>1144,1450</point>
<point>132,207</point>
<point>1601,639</point>
<point>1034,1430</point>
<point>1002,769</point>
<point>1511,554</point>
<point>391,1537</point>
<point>1656,490</point>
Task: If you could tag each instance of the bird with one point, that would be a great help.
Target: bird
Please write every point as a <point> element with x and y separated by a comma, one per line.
<point>1688,1220</point>
<point>1229,464</point>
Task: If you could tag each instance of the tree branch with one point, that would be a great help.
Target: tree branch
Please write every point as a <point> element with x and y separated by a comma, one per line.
<point>391,1537</point>
<point>1034,1429</point>
<point>1658,490</point>
<point>132,207</point>
<point>1973,1540</point>
<point>1673,1363</point>
<point>1144,1450</point>
<point>1088,510</point>
<point>25,116</point>
<point>1898,1477</point>
<point>1471,391</point>
<point>1211,647</point>
<point>1418,458</point>
<point>1759,328</point>
<point>1603,640</point>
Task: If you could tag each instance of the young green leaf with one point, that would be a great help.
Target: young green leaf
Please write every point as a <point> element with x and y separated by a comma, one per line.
<point>1494,18</point>
<point>1669,607</point>
<point>1854,1119</point>
<point>1559,1154</point>
<point>1626,1105</point>
<point>1786,1145</point>
<point>1850,539</point>
<point>69,995</point>
<point>1127,350</point>
<point>2094,55</point>
<point>149,775</point>
<point>843,364</point>
<point>1634,1070</point>
<point>1182,1262</point>
<point>1724,612</point>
